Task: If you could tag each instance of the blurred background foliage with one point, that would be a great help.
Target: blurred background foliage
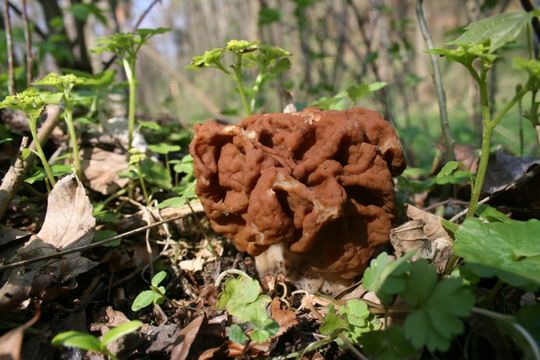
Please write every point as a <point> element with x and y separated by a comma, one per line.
<point>335,44</point>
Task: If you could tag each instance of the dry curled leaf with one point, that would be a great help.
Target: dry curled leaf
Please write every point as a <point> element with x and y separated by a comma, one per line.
<point>101,168</point>
<point>425,234</point>
<point>68,223</point>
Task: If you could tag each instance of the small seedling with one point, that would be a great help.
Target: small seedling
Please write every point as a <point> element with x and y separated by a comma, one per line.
<point>127,46</point>
<point>186,187</point>
<point>242,299</point>
<point>32,102</point>
<point>269,60</point>
<point>135,159</point>
<point>89,342</point>
<point>156,294</point>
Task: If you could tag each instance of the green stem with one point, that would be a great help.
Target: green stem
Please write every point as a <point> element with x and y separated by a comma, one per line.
<point>129,68</point>
<point>240,86</point>
<point>39,150</point>
<point>143,185</point>
<point>488,127</point>
<point>68,118</point>
<point>256,90</point>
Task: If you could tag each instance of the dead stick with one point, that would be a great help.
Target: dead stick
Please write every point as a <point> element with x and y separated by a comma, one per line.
<point>95,244</point>
<point>9,46</point>
<point>14,177</point>
<point>27,44</point>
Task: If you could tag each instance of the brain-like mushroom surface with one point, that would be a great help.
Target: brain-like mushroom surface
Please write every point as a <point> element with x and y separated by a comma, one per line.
<point>317,182</point>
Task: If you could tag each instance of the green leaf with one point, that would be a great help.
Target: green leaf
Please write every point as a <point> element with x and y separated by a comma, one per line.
<point>437,320</point>
<point>106,234</point>
<point>174,202</point>
<point>158,278</point>
<point>152,125</point>
<point>332,323</point>
<point>120,331</point>
<point>77,339</point>
<point>419,283</point>
<point>359,91</point>
<point>81,11</point>
<point>490,214</point>
<point>210,58</point>
<point>242,298</point>
<point>144,299</point>
<point>356,312</point>
<point>532,66</point>
<point>236,334</point>
<point>163,148</point>
<point>268,16</point>
<point>509,250</point>
<point>498,30</point>
<point>155,173</point>
<point>389,344</point>
<point>384,276</point>
<point>260,335</point>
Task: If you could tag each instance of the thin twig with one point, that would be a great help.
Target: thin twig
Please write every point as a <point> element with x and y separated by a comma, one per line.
<point>137,24</point>
<point>89,246</point>
<point>35,27</point>
<point>9,46</point>
<point>464,212</point>
<point>437,79</point>
<point>27,44</point>
<point>145,12</point>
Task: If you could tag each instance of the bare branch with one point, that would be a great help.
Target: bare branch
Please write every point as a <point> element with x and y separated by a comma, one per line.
<point>437,79</point>
<point>9,46</point>
<point>27,44</point>
<point>180,213</point>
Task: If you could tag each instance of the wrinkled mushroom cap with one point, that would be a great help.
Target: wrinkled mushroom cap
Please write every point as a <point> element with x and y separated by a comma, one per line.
<point>317,182</point>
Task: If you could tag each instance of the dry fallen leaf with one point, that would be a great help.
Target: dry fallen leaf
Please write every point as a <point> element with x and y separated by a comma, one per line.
<point>286,318</point>
<point>101,168</point>
<point>506,171</point>
<point>425,234</point>
<point>186,338</point>
<point>68,223</point>
<point>11,342</point>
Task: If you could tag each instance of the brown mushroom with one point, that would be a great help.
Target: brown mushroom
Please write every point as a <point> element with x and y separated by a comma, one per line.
<point>317,185</point>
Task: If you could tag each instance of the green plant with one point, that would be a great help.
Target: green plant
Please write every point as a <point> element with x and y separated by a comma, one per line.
<point>269,61</point>
<point>127,46</point>
<point>477,50</point>
<point>347,98</point>
<point>136,157</point>
<point>89,342</point>
<point>64,84</point>
<point>242,298</point>
<point>186,187</point>
<point>32,102</point>
<point>156,294</point>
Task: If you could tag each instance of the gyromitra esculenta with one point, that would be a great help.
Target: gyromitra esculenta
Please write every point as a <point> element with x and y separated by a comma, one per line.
<point>318,183</point>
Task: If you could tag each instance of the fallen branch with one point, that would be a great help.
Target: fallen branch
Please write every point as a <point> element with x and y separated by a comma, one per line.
<point>14,177</point>
<point>180,213</point>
